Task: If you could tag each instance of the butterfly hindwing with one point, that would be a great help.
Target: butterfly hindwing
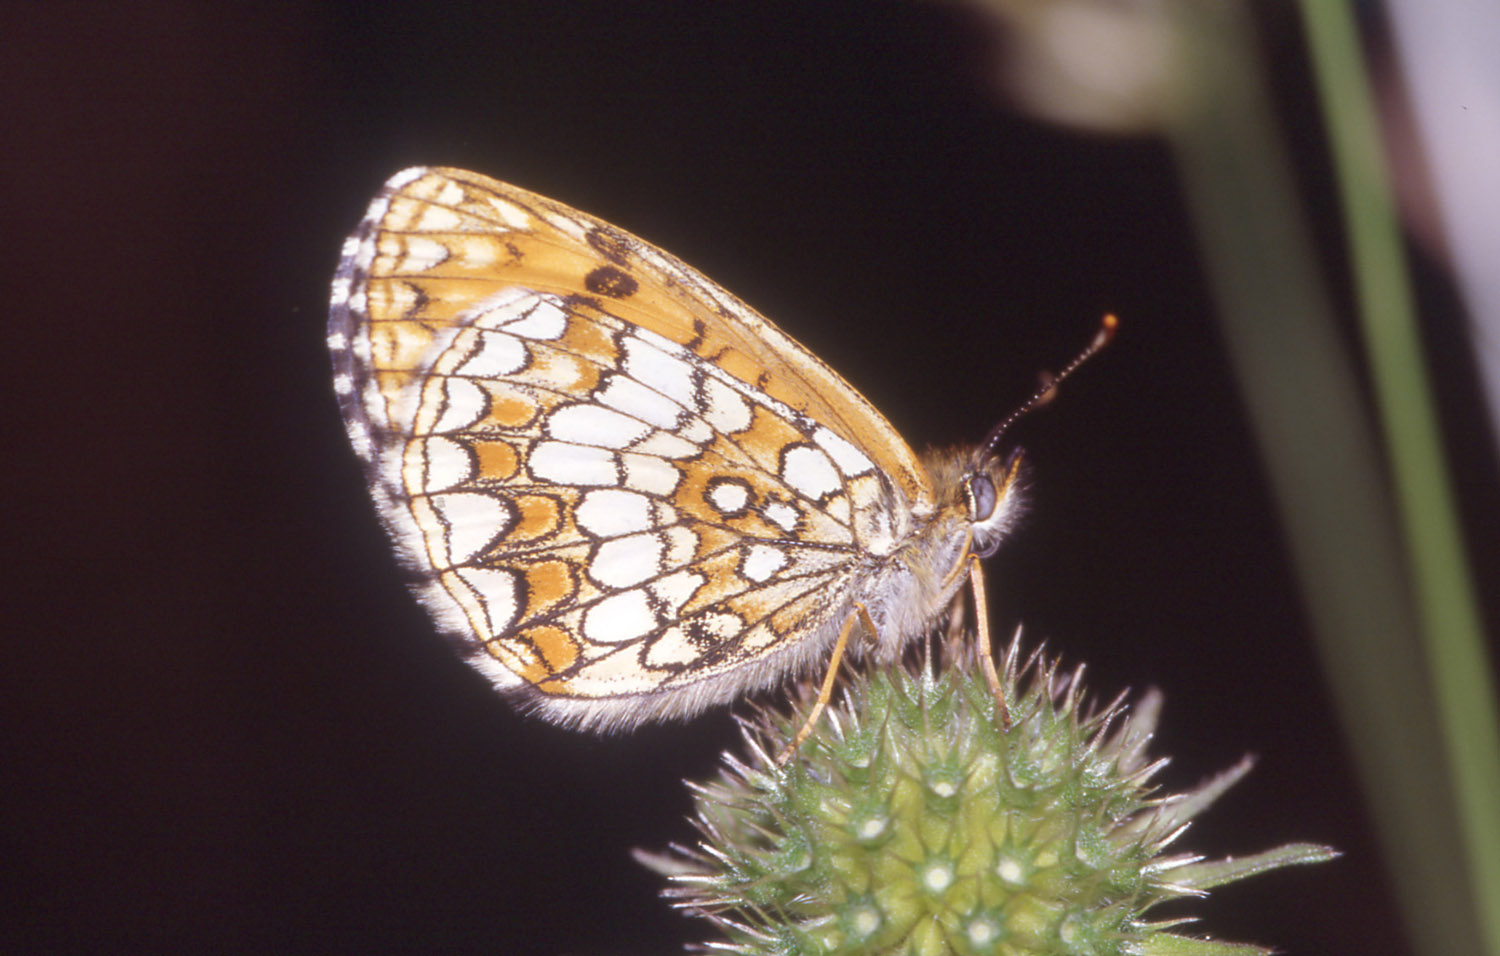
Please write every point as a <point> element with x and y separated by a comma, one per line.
<point>623,487</point>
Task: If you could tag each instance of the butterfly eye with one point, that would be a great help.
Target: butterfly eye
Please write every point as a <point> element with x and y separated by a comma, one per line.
<point>981,498</point>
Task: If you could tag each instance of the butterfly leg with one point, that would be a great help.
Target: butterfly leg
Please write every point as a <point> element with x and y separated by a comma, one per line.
<point>954,641</point>
<point>825,692</point>
<point>982,635</point>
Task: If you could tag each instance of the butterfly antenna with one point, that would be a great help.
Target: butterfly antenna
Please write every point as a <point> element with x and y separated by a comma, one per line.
<point>1105,334</point>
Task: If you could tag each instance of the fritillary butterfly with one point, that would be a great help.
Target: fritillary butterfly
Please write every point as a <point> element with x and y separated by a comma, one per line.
<point>627,494</point>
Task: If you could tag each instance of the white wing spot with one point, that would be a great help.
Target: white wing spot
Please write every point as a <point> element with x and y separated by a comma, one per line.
<point>729,497</point>
<point>696,430</point>
<point>837,507</point>
<point>361,348</point>
<point>622,562</point>
<point>609,513</point>
<point>782,515</point>
<point>444,463</point>
<point>682,547</point>
<point>438,219</point>
<point>672,649</point>
<point>522,312</point>
<point>675,590</point>
<point>498,355</point>
<point>511,215</point>
<point>720,625</point>
<point>578,465</point>
<point>638,401</point>
<point>809,471</point>
<point>762,562</point>
<point>449,194</point>
<point>626,616</point>
<point>374,400</point>
<point>359,437</point>
<point>402,179</point>
<point>660,341</point>
<point>724,409</point>
<point>504,306</point>
<point>546,320</point>
<point>654,368</point>
<point>495,590</point>
<point>473,521</point>
<point>850,460</point>
<point>464,402</point>
<point>666,445</point>
<point>422,254</point>
<point>592,425</point>
<point>654,476</point>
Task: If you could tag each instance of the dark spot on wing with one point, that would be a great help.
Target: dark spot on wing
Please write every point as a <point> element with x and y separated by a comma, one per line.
<point>611,282</point>
<point>609,244</point>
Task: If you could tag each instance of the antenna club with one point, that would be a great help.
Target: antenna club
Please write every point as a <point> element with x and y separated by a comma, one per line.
<point>1108,326</point>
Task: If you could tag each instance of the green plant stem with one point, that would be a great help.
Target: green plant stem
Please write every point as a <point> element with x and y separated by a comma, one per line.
<point>1323,461</point>
<point>1445,600</point>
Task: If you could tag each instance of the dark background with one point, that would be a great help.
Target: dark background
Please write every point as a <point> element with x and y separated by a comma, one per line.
<point>232,730</point>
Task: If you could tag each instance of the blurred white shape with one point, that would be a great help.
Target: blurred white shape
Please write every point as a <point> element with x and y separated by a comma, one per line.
<point>1448,54</point>
<point>1101,65</point>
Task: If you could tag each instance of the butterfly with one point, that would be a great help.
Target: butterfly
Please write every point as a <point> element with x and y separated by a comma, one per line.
<point>628,495</point>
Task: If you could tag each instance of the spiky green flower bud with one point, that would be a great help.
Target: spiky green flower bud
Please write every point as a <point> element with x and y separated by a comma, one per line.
<point>909,822</point>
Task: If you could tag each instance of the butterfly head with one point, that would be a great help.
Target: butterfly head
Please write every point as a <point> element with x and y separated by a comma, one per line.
<point>981,497</point>
<point>992,490</point>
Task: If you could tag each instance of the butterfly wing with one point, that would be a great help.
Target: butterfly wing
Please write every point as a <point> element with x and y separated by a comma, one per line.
<point>630,494</point>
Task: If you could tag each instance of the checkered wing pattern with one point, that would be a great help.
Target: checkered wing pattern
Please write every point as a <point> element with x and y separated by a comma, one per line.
<point>628,494</point>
